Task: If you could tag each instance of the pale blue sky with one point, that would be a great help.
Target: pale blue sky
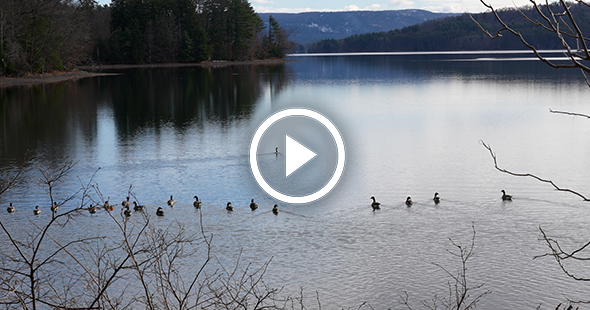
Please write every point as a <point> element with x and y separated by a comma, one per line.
<point>456,6</point>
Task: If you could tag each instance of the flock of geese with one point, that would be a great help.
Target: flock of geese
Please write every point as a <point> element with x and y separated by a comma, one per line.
<point>137,207</point>
<point>197,204</point>
<point>377,205</point>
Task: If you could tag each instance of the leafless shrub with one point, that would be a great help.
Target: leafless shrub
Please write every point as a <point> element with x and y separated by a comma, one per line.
<point>136,263</point>
<point>459,290</point>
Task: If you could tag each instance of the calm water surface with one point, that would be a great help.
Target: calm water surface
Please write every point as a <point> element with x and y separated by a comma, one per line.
<point>411,125</point>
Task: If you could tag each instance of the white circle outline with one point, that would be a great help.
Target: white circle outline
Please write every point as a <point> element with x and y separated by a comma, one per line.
<point>297,112</point>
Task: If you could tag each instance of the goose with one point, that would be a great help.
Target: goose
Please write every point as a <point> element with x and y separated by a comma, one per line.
<point>36,211</point>
<point>376,205</point>
<point>436,198</point>
<point>92,209</point>
<point>137,207</point>
<point>125,203</point>
<point>171,202</point>
<point>108,206</point>
<point>506,197</point>
<point>10,208</point>
<point>275,209</point>
<point>276,151</point>
<point>197,203</point>
<point>408,201</point>
<point>160,212</point>
<point>229,207</point>
<point>127,212</point>
<point>54,207</point>
<point>253,205</point>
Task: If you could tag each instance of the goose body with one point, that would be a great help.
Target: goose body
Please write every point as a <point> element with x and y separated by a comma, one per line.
<point>229,207</point>
<point>197,203</point>
<point>10,208</point>
<point>409,201</point>
<point>36,211</point>
<point>137,207</point>
<point>171,201</point>
<point>54,207</point>
<point>276,151</point>
<point>436,198</point>
<point>253,205</point>
<point>275,209</point>
<point>108,206</point>
<point>92,209</point>
<point>125,203</point>
<point>375,205</point>
<point>506,197</point>
<point>160,212</point>
<point>127,212</point>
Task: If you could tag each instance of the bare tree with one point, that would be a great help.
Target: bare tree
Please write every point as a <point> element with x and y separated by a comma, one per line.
<point>138,262</point>
<point>33,265</point>
<point>557,19</point>
<point>460,290</point>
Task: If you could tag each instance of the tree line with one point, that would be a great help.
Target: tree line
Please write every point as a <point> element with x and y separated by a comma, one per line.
<point>457,33</point>
<point>43,35</point>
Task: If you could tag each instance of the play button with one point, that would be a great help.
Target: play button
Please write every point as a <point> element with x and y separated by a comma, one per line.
<point>298,173</point>
<point>297,155</point>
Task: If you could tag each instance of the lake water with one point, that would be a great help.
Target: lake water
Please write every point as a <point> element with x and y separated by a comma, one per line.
<point>411,125</point>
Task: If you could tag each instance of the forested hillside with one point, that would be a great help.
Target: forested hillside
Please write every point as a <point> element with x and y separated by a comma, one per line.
<point>314,26</point>
<point>455,33</point>
<point>43,35</point>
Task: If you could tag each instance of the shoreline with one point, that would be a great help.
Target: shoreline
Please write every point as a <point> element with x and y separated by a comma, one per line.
<point>93,71</point>
<point>215,63</point>
<point>49,78</point>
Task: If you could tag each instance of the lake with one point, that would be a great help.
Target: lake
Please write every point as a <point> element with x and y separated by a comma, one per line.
<point>412,125</point>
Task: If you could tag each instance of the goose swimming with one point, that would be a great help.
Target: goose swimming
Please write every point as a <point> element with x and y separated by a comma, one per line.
<point>10,208</point>
<point>54,207</point>
<point>160,212</point>
<point>253,205</point>
<point>229,207</point>
<point>197,203</point>
<point>275,209</point>
<point>36,211</point>
<point>436,198</point>
<point>376,205</point>
<point>506,197</point>
<point>125,203</point>
<point>137,207</point>
<point>108,206</point>
<point>171,201</point>
<point>409,201</point>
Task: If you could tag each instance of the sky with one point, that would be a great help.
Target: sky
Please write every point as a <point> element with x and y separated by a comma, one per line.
<point>297,6</point>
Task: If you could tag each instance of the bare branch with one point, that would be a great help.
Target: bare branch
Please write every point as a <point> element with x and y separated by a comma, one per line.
<point>569,113</point>
<point>529,174</point>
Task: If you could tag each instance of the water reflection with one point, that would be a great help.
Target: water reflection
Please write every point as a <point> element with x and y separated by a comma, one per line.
<point>412,67</point>
<point>50,119</point>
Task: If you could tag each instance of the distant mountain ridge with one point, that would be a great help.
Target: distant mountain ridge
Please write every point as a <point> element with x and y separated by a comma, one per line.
<point>314,26</point>
<point>461,33</point>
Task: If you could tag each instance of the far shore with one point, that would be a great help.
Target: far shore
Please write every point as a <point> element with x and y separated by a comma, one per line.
<point>214,63</point>
<point>47,78</point>
<point>91,71</point>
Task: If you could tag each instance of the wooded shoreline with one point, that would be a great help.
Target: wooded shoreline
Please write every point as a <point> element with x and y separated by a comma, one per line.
<point>92,71</point>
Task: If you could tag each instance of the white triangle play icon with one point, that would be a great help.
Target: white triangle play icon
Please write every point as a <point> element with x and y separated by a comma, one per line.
<point>296,155</point>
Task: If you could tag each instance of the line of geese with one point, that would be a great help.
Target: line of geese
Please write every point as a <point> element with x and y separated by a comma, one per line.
<point>197,204</point>
<point>137,207</point>
<point>377,205</point>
